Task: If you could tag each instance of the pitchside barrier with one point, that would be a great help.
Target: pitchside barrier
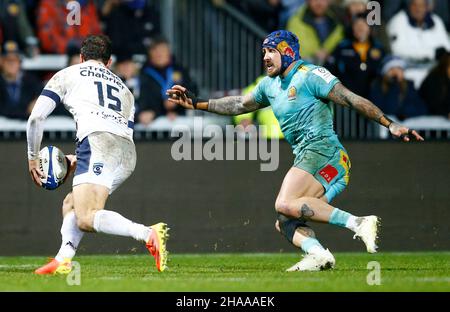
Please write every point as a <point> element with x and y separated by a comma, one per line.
<point>228,205</point>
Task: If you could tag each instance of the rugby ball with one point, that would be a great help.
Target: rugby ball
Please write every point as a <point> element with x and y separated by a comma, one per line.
<point>54,165</point>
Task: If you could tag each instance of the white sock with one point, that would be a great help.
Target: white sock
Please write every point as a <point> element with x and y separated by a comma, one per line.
<point>316,249</point>
<point>71,237</point>
<point>110,222</point>
<point>352,223</point>
<point>311,246</point>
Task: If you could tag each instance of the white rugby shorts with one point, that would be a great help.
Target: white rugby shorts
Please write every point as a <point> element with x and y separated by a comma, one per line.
<point>104,158</point>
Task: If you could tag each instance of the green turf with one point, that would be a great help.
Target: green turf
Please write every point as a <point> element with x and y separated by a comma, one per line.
<point>234,272</point>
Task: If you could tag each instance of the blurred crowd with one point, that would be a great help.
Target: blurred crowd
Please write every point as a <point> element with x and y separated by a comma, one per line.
<point>400,60</point>
<point>29,28</point>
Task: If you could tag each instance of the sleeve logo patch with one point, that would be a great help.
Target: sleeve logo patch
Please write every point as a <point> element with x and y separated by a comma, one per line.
<point>328,173</point>
<point>324,74</point>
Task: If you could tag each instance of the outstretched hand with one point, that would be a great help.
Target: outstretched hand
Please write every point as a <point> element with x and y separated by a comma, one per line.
<point>404,133</point>
<point>177,95</point>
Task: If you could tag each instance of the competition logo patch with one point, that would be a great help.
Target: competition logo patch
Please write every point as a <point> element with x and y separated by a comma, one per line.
<point>292,93</point>
<point>285,49</point>
<point>324,74</point>
<point>97,168</point>
<point>328,173</point>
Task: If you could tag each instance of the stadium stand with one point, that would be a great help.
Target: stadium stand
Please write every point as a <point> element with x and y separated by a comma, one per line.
<point>218,43</point>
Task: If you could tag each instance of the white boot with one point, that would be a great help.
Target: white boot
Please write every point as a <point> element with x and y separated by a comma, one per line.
<point>367,231</point>
<point>318,261</point>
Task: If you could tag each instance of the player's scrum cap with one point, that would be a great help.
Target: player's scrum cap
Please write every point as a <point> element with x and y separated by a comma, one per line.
<point>286,43</point>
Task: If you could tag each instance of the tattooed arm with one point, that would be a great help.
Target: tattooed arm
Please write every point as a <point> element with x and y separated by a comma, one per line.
<point>343,96</point>
<point>233,105</point>
<point>229,105</point>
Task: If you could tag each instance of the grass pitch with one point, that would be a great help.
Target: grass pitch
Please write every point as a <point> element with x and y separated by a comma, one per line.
<point>234,272</point>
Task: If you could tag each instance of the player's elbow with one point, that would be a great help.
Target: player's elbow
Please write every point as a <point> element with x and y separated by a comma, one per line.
<point>34,120</point>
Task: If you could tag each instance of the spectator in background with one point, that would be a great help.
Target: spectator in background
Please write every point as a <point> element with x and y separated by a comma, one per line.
<point>352,8</point>
<point>415,35</point>
<point>159,74</point>
<point>356,7</point>
<point>395,95</point>
<point>16,27</point>
<point>266,13</point>
<point>440,7</point>
<point>18,89</point>
<point>357,59</point>
<point>130,24</point>
<point>318,30</point>
<point>127,70</point>
<point>55,34</point>
<point>435,89</point>
<point>288,8</point>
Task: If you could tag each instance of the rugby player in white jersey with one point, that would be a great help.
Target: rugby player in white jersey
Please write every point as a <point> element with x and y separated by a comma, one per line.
<point>103,109</point>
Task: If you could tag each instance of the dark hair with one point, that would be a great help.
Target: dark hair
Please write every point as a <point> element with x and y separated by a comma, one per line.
<point>157,41</point>
<point>443,62</point>
<point>96,47</point>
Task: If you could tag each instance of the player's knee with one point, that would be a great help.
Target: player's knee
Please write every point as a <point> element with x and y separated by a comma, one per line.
<point>282,206</point>
<point>85,224</point>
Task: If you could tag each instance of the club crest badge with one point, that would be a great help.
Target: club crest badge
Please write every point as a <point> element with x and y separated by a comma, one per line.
<point>292,93</point>
<point>97,168</point>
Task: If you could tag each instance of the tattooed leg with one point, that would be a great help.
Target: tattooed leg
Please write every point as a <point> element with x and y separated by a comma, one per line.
<point>306,209</point>
<point>313,209</point>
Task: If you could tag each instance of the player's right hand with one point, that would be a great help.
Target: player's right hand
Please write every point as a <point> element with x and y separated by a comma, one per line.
<point>177,95</point>
<point>404,133</point>
<point>35,172</point>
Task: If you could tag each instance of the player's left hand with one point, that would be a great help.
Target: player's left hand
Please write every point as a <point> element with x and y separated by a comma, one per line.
<point>35,172</point>
<point>404,133</point>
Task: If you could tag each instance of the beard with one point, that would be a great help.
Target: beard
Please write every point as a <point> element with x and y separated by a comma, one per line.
<point>274,73</point>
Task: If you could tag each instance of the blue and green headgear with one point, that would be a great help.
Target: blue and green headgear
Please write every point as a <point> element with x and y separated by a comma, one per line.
<point>286,43</point>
